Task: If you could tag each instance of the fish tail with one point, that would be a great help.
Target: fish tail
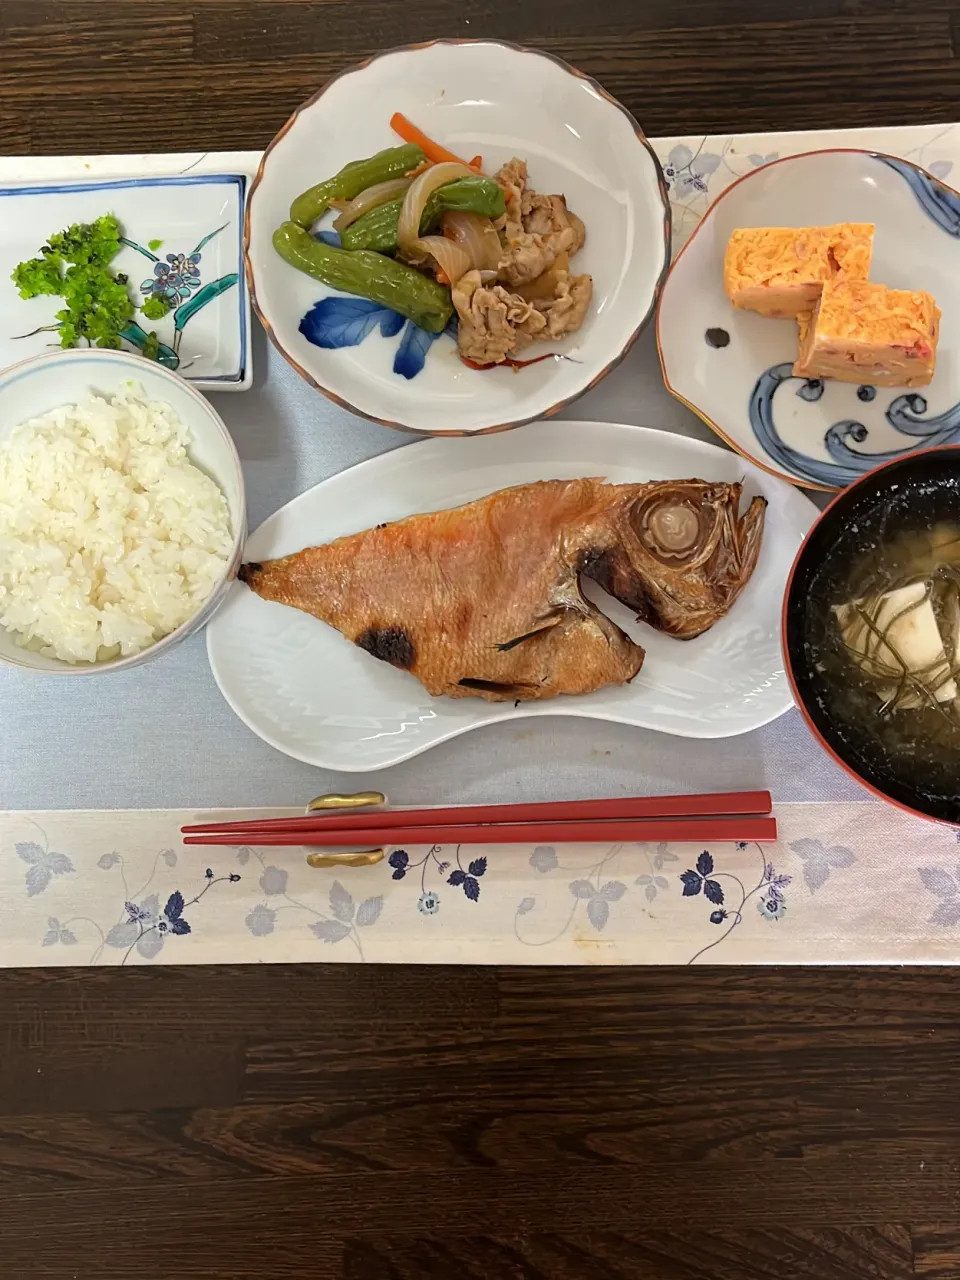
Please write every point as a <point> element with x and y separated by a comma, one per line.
<point>249,573</point>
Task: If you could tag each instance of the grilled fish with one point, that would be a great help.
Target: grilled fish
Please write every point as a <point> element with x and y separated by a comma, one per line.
<point>484,600</point>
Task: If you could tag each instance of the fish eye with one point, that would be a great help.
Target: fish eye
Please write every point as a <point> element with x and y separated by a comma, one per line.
<point>669,529</point>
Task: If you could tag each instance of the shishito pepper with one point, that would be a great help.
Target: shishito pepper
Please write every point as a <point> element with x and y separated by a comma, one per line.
<point>378,229</point>
<point>370,275</point>
<point>353,178</point>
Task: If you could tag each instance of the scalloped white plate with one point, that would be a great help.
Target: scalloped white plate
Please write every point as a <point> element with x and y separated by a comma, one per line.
<point>310,693</point>
<point>820,433</point>
<point>501,101</point>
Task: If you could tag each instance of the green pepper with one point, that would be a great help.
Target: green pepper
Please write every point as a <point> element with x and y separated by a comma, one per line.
<point>370,275</point>
<point>377,229</point>
<point>354,178</point>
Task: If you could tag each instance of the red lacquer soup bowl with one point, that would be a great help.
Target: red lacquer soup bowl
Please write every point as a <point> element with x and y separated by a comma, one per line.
<point>909,757</point>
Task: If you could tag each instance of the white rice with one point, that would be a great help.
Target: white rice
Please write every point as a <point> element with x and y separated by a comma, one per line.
<point>110,538</point>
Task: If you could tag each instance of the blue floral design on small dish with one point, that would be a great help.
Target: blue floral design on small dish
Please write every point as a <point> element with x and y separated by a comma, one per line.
<point>174,279</point>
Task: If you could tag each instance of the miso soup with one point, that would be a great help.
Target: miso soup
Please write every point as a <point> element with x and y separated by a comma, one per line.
<point>873,628</point>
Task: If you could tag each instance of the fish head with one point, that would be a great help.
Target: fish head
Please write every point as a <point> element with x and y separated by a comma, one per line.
<point>679,552</point>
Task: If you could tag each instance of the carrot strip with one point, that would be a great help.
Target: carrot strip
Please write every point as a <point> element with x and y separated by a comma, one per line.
<point>432,150</point>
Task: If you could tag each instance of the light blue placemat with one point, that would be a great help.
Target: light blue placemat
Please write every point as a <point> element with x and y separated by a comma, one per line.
<point>162,736</point>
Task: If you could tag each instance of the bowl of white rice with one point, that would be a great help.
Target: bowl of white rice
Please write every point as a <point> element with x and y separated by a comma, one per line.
<point>122,512</point>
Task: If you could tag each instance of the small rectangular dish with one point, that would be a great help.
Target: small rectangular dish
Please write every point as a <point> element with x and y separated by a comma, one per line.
<point>181,242</point>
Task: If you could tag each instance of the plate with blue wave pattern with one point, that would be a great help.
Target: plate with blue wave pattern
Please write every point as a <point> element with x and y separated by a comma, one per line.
<point>734,368</point>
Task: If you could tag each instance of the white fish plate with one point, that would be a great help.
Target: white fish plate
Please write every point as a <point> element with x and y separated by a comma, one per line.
<point>310,693</point>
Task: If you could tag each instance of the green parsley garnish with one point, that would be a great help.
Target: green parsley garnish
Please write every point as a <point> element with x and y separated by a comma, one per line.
<point>75,265</point>
<point>154,245</point>
<point>155,307</point>
<point>151,347</point>
<point>39,275</point>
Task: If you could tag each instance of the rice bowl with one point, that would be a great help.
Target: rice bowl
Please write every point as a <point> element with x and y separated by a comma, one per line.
<point>121,511</point>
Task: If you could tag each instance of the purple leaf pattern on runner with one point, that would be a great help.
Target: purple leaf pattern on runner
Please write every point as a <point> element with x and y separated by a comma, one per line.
<point>945,886</point>
<point>819,860</point>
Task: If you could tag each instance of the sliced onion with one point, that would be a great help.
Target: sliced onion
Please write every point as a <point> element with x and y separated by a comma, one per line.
<point>414,202</point>
<point>452,259</point>
<point>545,285</point>
<point>477,235</point>
<point>380,193</point>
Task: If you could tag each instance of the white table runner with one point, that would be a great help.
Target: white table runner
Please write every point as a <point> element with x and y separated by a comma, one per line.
<point>846,883</point>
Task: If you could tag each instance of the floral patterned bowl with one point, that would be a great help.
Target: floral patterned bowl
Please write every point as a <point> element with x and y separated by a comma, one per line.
<point>734,368</point>
<point>501,101</point>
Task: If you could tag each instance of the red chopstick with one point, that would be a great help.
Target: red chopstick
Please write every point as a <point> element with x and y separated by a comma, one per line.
<point>331,835</point>
<point>638,807</point>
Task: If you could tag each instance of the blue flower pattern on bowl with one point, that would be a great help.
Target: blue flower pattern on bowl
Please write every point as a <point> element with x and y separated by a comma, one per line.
<point>177,281</point>
<point>937,201</point>
<point>174,279</point>
<point>344,321</point>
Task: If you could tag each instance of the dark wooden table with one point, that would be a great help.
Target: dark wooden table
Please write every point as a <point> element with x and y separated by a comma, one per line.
<point>384,1124</point>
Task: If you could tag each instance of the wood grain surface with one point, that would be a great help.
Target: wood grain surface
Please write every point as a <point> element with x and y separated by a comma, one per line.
<point>94,75</point>
<point>579,1124</point>
<point>392,1124</point>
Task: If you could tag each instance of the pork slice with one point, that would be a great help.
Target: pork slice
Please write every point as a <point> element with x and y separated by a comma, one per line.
<point>493,322</point>
<point>564,312</point>
<point>543,215</point>
<point>513,178</point>
<point>530,254</point>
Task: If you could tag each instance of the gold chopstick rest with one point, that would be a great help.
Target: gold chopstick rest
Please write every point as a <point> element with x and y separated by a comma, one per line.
<point>359,800</point>
<point>357,857</point>
<point>363,858</point>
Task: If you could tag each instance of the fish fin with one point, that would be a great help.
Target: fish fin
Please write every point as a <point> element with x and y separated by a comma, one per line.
<point>528,635</point>
<point>494,686</point>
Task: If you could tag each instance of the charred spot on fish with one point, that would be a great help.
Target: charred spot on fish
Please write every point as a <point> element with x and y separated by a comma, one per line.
<point>247,572</point>
<point>612,574</point>
<point>717,338</point>
<point>389,644</point>
<point>594,562</point>
<point>600,566</point>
